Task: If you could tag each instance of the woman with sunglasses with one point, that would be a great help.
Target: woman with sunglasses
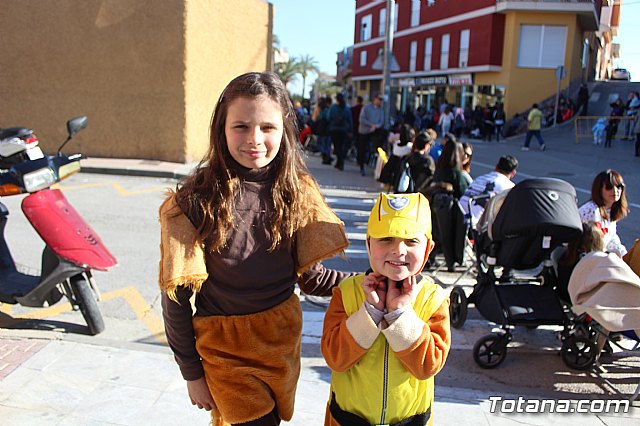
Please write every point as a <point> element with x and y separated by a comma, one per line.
<point>608,205</point>
<point>466,162</point>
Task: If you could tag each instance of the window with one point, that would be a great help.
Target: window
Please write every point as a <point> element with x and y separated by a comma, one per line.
<point>415,13</point>
<point>383,22</point>
<point>413,54</point>
<point>431,3</point>
<point>363,58</point>
<point>444,52</point>
<point>464,49</point>
<point>365,28</point>
<point>542,46</point>
<point>395,17</point>
<point>428,47</point>
<point>585,53</point>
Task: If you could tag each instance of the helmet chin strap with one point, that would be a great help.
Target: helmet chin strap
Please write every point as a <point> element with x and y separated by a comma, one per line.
<point>430,245</point>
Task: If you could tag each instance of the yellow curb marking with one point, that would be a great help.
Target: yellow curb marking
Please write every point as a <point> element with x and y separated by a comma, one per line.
<point>142,310</point>
<point>115,185</point>
<point>130,295</point>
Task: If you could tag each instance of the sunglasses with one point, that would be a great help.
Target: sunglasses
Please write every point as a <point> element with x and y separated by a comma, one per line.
<point>609,186</point>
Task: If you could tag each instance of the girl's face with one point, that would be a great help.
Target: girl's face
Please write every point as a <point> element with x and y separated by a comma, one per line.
<point>612,195</point>
<point>397,258</point>
<point>254,130</point>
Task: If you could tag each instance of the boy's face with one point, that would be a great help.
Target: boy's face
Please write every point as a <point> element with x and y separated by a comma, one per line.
<point>397,258</point>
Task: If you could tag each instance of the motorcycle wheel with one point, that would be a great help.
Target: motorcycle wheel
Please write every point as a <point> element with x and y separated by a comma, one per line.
<point>86,300</point>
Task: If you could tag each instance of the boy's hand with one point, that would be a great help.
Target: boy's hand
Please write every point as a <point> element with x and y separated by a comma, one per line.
<point>400,297</point>
<point>375,289</point>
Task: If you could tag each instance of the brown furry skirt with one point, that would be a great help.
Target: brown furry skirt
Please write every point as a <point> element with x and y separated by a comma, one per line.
<point>251,362</point>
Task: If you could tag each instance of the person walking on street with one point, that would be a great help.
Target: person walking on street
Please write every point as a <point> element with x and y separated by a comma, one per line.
<point>356,109</point>
<point>340,126</point>
<point>534,124</point>
<point>636,131</point>
<point>631,110</point>
<point>499,118</point>
<point>446,120</point>
<point>371,120</point>
<point>320,128</point>
<point>617,110</point>
<point>583,100</point>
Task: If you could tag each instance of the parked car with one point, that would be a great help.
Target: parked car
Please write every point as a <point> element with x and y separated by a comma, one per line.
<point>620,74</point>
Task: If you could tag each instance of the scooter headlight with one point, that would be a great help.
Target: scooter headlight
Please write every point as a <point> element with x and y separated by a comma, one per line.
<point>39,179</point>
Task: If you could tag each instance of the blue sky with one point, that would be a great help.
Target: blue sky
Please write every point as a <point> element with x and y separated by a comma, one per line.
<point>321,28</point>
<point>629,35</point>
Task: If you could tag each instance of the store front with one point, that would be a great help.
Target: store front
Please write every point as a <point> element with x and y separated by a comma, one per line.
<point>454,89</point>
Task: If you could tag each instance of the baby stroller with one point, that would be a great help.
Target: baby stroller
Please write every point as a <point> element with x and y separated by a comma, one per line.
<point>605,292</point>
<point>451,234</point>
<point>516,280</point>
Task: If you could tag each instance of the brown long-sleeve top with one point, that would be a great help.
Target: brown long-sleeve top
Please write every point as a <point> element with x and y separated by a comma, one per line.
<point>245,277</point>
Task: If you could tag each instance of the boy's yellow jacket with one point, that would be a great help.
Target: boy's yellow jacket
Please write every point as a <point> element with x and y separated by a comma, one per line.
<point>385,375</point>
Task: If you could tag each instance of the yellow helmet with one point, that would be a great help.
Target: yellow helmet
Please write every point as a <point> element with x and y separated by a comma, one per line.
<point>401,215</point>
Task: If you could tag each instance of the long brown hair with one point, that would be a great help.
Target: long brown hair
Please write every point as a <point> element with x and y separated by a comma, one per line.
<point>609,178</point>
<point>212,188</point>
<point>451,157</point>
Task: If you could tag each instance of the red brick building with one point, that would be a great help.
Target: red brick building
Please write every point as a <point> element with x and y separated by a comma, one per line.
<point>475,52</point>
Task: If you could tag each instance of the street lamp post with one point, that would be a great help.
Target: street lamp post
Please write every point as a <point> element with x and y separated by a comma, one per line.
<point>386,61</point>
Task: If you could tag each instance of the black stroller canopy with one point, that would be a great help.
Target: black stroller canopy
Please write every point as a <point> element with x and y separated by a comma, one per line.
<point>541,206</point>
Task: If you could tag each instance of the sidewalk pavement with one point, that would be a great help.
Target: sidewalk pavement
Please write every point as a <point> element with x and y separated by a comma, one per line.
<point>52,378</point>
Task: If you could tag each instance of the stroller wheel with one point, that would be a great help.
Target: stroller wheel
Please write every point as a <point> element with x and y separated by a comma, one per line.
<point>579,352</point>
<point>458,307</point>
<point>490,350</point>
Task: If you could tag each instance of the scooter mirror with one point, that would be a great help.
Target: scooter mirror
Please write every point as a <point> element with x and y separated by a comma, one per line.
<point>76,124</point>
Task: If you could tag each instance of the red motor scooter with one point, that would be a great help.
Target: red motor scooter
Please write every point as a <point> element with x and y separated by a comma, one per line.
<point>72,248</point>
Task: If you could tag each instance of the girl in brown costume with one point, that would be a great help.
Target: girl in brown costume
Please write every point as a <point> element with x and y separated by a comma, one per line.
<point>240,232</point>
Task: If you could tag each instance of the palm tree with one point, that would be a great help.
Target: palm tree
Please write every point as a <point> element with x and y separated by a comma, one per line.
<point>276,43</point>
<point>287,70</point>
<point>307,64</point>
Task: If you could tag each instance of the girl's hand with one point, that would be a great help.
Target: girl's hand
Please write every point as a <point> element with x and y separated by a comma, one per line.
<point>200,394</point>
<point>375,289</point>
<point>400,297</point>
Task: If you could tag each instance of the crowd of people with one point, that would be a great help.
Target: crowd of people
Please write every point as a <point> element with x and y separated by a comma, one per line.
<point>250,223</point>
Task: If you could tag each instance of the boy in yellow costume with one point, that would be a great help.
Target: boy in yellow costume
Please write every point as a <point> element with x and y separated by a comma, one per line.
<point>386,334</point>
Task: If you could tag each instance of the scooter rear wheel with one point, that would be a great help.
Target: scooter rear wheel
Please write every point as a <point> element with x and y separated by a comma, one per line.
<point>86,300</point>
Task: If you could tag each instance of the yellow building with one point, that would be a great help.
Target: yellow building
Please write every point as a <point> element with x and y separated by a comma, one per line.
<point>147,73</point>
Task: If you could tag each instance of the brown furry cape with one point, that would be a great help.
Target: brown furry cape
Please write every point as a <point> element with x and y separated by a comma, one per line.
<point>182,256</point>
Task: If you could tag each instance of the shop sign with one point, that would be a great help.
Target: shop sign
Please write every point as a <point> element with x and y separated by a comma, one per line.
<point>407,82</point>
<point>460,80</point>
<point>434,80</point>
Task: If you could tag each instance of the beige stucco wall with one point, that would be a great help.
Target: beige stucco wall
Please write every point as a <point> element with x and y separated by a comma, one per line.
<point>143,77</point>
<point>528,85</point>
<point>224,39</point>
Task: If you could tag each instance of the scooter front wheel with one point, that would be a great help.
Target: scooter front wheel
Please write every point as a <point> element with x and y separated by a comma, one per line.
<point>86,301</point>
